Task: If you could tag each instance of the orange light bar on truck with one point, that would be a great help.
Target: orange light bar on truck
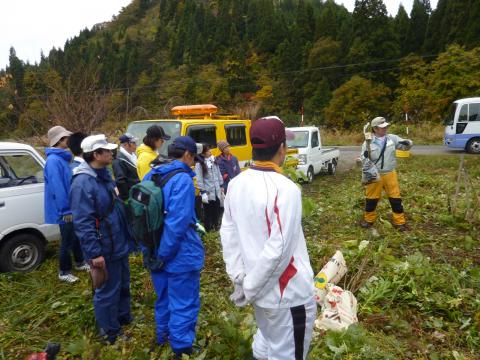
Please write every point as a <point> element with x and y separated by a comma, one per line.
<point>204,109</point>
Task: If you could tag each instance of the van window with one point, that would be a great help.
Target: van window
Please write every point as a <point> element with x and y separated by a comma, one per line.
<point>139,130</point>
<point>203,134</point>
<point>474,112</point>
<point>20,169</point>
<point>315,139</point>
<point>236,134</point>
<point>463,117</point>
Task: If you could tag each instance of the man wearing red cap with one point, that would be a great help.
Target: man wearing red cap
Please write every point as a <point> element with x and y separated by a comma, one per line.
<point>265,251</point>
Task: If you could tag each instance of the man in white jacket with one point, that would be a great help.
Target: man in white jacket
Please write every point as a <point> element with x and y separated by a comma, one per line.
<point>265,251</point>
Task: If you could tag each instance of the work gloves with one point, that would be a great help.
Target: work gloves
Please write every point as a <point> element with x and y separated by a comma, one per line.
<point>238,295</point>
<point>205,198</point>
<point>200,229</point>
<point>405,144</point>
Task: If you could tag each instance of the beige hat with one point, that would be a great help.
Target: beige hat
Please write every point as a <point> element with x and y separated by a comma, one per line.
<point>56,133</point>
<point>222,145</point>
<point>379,122</point>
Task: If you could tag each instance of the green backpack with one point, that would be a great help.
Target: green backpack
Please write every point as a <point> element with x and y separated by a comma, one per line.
<point>146,212</point>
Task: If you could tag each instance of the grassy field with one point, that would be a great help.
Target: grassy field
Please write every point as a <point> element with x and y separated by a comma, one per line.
<point>418,292</point>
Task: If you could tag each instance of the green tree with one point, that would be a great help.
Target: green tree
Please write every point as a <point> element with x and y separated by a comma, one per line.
<point>374,29</point>
<point>16,68</point>
<point>418,26</point>
<point>402,27</point>
<point>357,101</point>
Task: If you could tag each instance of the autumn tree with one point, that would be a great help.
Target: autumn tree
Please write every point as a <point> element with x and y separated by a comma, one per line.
<point>356,102</point>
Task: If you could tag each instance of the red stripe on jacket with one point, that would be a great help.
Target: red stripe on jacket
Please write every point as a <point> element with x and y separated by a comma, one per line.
<point>291,270</point>
<point>289,273</point>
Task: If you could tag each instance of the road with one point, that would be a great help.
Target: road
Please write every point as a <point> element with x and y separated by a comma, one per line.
<point>349,154</point>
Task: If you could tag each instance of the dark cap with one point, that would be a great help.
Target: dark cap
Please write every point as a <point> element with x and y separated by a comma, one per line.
<point>188,144</point>
<point>267,132</point>
<point>127,138</point>
<point>157,132</point>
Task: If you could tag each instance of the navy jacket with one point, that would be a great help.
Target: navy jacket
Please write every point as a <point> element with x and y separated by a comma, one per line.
<point>92,196</point>
<point>125,173</point>
<point>229,168</point>
<point>58,177</point>
<point>181,248</point>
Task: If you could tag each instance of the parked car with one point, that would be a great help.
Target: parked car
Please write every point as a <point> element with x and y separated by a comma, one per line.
<point>313,158</point>
<point>23,233</point>
<point>462,125</point>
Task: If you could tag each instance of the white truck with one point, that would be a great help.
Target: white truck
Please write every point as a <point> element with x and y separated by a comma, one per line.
<point>23,233</point>
<point>313,158</point>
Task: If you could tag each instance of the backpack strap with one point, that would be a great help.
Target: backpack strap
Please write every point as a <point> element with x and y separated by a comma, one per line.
<point>162,181</point>
<point>382,154</point>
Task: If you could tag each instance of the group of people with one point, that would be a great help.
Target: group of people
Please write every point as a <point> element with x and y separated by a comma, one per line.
<point>264,248</point>
<point>89,205</point>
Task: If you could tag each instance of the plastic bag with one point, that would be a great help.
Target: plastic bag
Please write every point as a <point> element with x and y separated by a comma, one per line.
<point>370,172</point>
<point>332,272</point>
<point>339,309</point>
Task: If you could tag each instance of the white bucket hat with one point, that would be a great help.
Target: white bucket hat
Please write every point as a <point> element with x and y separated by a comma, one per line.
<point>95,142</point>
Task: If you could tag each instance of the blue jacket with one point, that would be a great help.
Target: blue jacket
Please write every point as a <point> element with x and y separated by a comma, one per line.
<point>58,177</point>
<point>181,248</point>
<point>94,201</point>
<point>229,168</point>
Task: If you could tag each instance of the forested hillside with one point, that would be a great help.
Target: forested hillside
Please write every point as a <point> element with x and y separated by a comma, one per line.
<point>252,57</point>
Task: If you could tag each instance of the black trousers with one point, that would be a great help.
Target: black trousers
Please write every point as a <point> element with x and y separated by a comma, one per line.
<point>212,214</point>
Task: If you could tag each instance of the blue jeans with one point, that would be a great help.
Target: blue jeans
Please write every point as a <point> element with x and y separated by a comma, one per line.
<point>176,308</point>
<point>69,244</point>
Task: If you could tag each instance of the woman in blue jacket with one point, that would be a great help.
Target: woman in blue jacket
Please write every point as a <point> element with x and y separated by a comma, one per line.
<point>100,224</point>
<point>227,163</point>
<point>177,285</point>
<point>58,177</point>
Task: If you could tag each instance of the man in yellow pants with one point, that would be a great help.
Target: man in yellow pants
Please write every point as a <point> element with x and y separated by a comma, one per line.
<point>382,154</point>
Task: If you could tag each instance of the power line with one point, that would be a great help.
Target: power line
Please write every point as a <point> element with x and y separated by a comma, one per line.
<point>220,79</point>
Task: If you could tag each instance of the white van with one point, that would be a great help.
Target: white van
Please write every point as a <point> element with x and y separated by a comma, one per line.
<point>23,233</point>
<point>462,125</point>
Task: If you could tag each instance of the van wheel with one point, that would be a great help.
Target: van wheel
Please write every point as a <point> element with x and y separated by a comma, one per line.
<point>473,146</point>
<point>332,168</point>
<point>22,253</point>
<point>310,174</point>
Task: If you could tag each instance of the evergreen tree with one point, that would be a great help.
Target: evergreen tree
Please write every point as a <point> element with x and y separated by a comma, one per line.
<point>418,26</point>
<point>374,29</point>
<point>402,26</point>
<point>16,68</point>
<point>472,35</point>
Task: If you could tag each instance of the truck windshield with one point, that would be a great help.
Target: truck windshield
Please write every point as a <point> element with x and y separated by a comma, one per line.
<point>139,130</point>
<point>449,120</point>
<point>299,141</point>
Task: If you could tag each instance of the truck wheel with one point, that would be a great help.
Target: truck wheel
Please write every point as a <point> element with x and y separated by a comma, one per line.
<point>473,146</point>
<point>22,253</point>
<point>332,168</point>
<point>310,174</point>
